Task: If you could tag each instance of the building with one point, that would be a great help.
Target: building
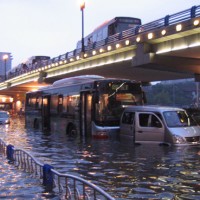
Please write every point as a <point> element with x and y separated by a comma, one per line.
<point>5,64</point>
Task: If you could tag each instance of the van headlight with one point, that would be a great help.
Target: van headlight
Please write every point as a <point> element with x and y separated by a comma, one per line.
<point>7,121</point>
<point>178,139</point>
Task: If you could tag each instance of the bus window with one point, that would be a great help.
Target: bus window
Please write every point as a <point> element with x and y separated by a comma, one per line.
<point>73,103</point>
<point>38,104</point>
<point>60,104</point>
<point>64,104</point>
<point>32,102</point>
<point>54,103</point>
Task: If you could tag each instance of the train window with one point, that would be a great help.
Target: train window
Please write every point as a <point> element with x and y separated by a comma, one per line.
<point>95,37</point>
<point>100,35</point>
<point>111,29</point>
<point>105,33</point>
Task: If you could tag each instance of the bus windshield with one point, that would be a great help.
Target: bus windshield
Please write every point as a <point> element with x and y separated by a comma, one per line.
<point>113,97</point>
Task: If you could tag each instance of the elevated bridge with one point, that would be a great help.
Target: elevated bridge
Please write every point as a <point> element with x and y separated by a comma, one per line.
<point>165,49</point>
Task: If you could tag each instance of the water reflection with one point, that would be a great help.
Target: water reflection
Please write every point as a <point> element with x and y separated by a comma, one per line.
<point>125,171</point>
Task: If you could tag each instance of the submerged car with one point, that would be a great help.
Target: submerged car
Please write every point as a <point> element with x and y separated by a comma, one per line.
<point>164,125</point>
<point>4,117</point>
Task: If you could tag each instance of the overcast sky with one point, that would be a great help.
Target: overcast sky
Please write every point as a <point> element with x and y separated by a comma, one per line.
<point>52,27</point>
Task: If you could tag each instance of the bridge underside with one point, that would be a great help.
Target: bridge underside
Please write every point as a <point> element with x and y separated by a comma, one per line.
<point>145,73</point>
<point>150,71</point>
<point>147,61</point>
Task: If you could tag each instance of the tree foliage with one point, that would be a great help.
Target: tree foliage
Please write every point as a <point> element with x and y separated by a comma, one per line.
<point>180,94</point>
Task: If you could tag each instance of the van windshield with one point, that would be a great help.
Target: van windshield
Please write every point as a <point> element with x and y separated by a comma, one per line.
<point>178,119</point>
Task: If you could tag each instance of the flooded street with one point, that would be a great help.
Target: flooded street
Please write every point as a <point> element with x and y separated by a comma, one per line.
<point>123,170</point>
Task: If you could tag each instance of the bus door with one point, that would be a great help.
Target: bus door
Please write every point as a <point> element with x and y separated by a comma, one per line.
<point>85,114</point>
<point>46,124</point>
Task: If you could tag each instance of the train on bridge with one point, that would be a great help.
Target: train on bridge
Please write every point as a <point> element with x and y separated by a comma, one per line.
<point>108,29</point>
<point>116,29</point>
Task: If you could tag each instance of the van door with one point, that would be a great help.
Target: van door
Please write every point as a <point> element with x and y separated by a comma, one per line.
<point>149,127</point>
<point>86,105</point>
<point>127,126</point>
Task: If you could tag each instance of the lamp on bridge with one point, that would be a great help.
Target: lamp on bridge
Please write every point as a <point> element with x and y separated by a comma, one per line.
<point>5,58</point>
<point>82,7</point>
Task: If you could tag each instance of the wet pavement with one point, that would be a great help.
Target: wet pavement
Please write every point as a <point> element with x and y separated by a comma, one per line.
<point>124,170</point>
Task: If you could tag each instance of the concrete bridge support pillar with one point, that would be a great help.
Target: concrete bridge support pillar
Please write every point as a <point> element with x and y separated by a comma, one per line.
<point>143,55</point>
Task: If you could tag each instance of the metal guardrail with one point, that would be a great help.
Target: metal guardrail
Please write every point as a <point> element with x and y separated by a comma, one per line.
<point>68,186</point>
<point>128,34</point>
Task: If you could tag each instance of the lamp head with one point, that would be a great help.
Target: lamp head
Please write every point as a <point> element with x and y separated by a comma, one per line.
<point>82,5</point>
<point>5,57</point>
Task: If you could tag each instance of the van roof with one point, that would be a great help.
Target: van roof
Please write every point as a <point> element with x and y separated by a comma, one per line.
<point>152,108</point>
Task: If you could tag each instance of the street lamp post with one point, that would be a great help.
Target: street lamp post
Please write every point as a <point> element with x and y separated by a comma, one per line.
<point>82,7</point>
<point>5,58</point>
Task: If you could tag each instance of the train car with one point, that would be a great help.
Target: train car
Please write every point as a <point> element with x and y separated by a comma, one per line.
<point>30,64</point>
<point>36,61</point>
<point>109,28</point>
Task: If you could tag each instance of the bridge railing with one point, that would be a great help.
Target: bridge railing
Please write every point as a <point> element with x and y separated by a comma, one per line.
<point>128,34</point>
<point>197,11</point>
<point>68,186</point>
<point>166,21</point>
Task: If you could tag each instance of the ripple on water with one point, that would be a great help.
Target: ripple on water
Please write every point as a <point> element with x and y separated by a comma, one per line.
<point>16,184</point>
<point>125,172</point>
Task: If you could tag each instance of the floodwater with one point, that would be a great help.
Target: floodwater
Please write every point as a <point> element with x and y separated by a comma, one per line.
<point>125,171</point>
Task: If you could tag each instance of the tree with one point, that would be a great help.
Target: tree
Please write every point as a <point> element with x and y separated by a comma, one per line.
<point>171,94</point>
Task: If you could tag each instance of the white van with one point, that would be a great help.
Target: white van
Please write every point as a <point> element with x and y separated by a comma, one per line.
<point>159,124</point>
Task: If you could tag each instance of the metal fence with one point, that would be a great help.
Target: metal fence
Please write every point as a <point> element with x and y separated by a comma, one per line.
<point>68,186</point>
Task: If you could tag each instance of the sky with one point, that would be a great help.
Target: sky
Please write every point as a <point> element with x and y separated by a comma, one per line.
<point>53,27</point>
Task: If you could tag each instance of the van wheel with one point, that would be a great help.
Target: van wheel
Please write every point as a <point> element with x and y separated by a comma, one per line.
<point>71,131</point>
<point>36,124</point>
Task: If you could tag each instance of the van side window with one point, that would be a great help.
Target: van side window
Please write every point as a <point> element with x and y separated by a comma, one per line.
<point>144,118</point>
<point>128,118</point>
<point>155,122</point>
<point>149,120</point>
<point>159,115</point>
